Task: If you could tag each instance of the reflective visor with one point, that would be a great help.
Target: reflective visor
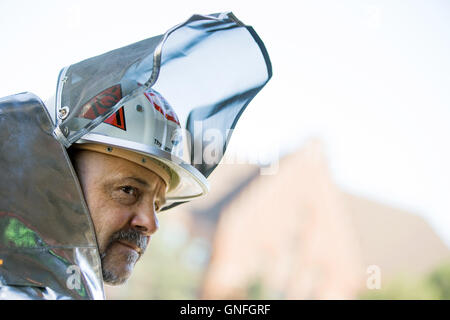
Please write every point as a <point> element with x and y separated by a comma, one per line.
<point>209,68</point>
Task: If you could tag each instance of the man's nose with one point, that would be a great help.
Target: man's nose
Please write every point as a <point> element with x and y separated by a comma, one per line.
<point>145,220</point>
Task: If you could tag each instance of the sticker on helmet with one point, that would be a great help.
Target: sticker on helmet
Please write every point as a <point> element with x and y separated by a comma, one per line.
<point>101,103</point>
<point>162,106</point>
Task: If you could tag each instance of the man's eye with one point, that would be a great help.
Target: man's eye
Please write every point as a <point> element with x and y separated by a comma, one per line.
<point>129,190</point>
<point>126,195</point>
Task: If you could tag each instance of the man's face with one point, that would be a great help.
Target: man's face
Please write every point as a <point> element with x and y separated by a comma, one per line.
<point>123,199</point>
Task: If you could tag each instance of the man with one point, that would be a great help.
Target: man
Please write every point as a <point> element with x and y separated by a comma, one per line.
<point>125,189</point>
<point>123,208</point>
<point>85,175</point>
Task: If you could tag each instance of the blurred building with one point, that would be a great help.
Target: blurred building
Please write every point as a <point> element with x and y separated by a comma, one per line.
<point>289,235</point>
<point>295,235</point>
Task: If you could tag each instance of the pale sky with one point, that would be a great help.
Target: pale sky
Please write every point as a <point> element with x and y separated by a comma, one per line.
<point>369,78</point>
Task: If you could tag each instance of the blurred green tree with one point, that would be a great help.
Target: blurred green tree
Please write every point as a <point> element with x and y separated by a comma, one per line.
<point>440,279</point>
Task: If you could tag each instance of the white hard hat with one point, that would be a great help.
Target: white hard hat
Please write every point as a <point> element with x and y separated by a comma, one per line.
<point>145,130</point>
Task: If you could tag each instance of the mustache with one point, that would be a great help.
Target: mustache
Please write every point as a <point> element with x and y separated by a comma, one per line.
<point>132,236</point>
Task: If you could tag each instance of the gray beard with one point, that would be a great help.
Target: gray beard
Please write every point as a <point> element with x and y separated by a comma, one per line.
<point>112,278</point>
<point>131,235</point>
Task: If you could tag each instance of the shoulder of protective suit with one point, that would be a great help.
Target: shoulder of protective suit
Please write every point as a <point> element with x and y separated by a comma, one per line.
<point>29,293</point>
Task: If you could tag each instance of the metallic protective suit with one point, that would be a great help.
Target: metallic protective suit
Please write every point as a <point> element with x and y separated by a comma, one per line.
<point>209,68</point>
<point>47,241</point>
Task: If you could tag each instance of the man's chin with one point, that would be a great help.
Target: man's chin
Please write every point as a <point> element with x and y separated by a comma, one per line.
<point>117,264</point>
<point>113,279</point>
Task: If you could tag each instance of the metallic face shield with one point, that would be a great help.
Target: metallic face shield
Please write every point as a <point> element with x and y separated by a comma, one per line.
<point>209,68</point>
